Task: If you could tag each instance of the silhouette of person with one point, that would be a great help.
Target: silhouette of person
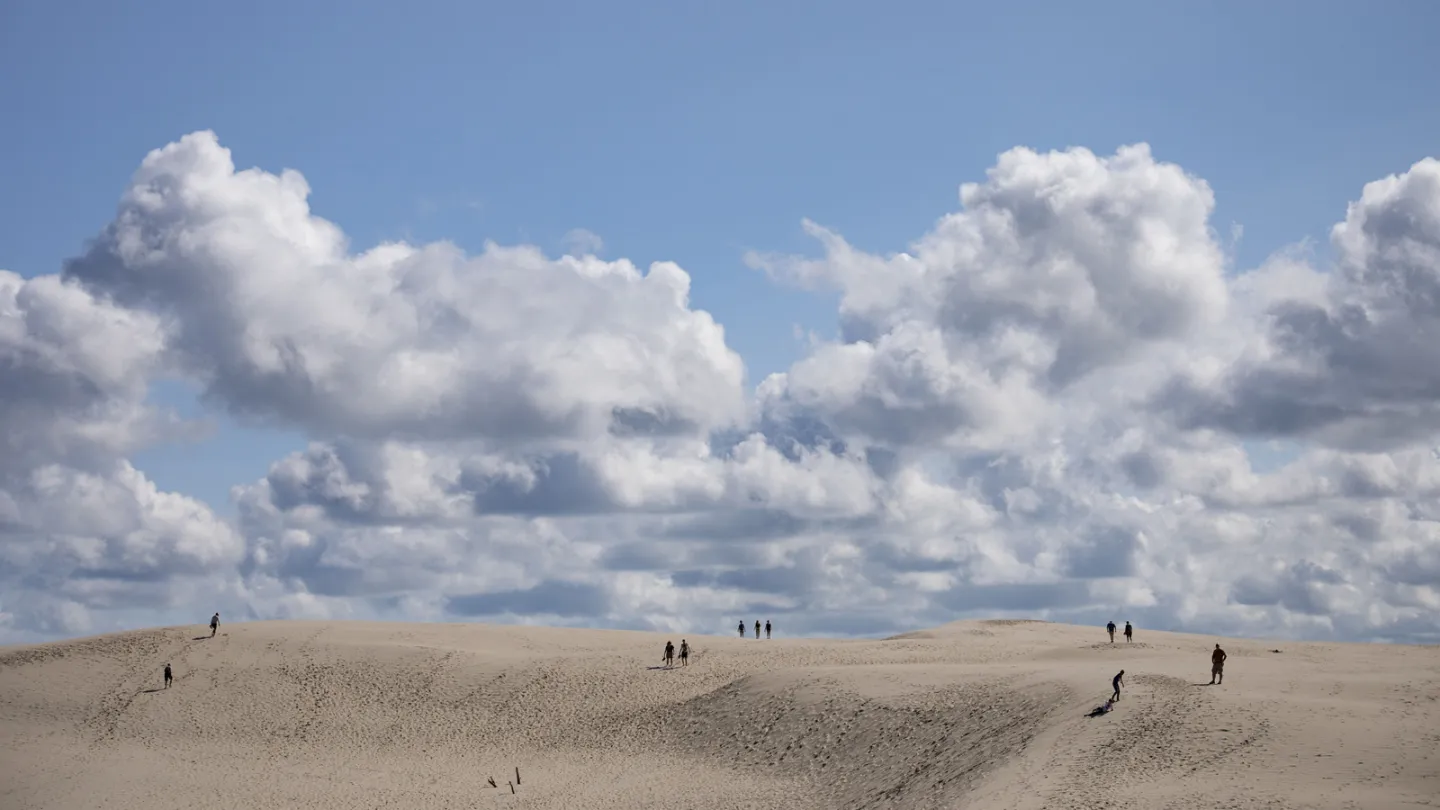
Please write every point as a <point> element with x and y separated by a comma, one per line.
<point>1217,665</point>
<point>669,655</point>
<point>1117,683</point>
<point>684,653</point>
<point>1110,628</point>
<point>767,628</point>
<point>168,676</point>
<point>214,624</point>
<point>1129,631</point>
<point>757,628</point>
<point>742,628</point>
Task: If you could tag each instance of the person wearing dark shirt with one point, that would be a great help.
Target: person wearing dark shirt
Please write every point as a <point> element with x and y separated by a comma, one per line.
<point>1118,682</point>
<point>757,628</point>
<point>742,628</point>
<point>684,653</point>
<point>1110,628</point>
<point>1129,632</point>
<point>669,655</point>
<point>214,624</point>
<point>767,628</point>
<point>1217,665</point>
<point>168,676</point>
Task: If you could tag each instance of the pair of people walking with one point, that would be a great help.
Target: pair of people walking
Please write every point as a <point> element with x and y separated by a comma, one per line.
<point>1129,632</point>
<point>741,628</point>
<point>670,654</point>
<point>214,628</point>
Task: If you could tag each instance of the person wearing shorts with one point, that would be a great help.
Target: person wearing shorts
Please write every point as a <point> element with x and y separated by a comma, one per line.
<point>1217,665</point>
<point>684,653</point>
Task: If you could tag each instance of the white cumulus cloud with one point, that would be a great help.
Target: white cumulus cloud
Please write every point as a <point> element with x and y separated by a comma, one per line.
<point>1048,404</point>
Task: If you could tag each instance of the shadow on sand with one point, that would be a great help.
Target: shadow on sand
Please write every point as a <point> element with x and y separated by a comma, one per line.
<point>200,638</point>
<point>152,691</point>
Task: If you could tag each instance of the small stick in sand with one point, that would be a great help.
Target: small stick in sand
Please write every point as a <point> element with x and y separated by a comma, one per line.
<point>517,776</point>
<point>491,780</point>
<point>512,786</point>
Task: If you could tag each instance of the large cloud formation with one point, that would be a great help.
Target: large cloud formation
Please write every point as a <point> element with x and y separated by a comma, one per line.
<point>1047,405</point>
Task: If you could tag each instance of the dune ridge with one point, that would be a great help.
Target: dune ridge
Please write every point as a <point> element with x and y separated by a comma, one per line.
<point>973,714</point>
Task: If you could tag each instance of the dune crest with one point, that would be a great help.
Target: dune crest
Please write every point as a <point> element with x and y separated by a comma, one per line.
<point>972,714</point>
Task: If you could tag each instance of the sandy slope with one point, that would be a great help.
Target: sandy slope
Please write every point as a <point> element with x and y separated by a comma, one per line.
<point>973,715</point>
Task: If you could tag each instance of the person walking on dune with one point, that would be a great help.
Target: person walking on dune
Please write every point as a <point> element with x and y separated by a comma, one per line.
<point>757,628</point>
<point>684,653</point>
<point>742,628</point>
<point>1217,665</point>
<point>1118,682</point>
<point>214,624</point>
<point>669,655</point>
<point>1129,633</point>
<point>1110,628</point>
<point>168,676</point>
<point>767,628</point>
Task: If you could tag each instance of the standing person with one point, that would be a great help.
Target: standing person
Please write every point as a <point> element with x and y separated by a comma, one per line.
<point>1110,628</point>
<point>1118,682</point>
<point>684,653</point>
<point>168,676</point>
<point>742,628</point>
<point>214,624</point>
<point>1129,631</point>
<point>1217,665</point>
<point>669,655</point>
<point>757,628</point>
<point>767,628</point>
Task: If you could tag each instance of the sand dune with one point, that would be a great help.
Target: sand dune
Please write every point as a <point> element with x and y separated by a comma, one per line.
<point>972,715</point>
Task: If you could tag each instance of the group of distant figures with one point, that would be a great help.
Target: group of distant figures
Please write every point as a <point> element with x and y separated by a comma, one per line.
<point>757,629</point>
<point>214,628</point>
<point>1217,658</point>
<point>1217,665</point>
<point>669,657</point>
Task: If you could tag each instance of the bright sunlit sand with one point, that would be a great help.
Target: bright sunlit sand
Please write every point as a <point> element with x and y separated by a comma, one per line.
<point>975,714</point>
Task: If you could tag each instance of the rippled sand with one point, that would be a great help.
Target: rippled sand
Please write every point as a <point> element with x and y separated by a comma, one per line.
<point>974,715</point>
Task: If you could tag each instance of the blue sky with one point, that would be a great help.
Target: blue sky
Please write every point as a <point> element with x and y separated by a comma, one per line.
<point>693,132</point>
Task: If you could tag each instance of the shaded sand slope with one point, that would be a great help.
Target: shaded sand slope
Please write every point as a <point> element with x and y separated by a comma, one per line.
<point>973,715</point>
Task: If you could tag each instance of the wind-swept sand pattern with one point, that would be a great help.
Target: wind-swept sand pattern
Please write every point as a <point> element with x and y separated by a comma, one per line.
<point>973,715</point>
